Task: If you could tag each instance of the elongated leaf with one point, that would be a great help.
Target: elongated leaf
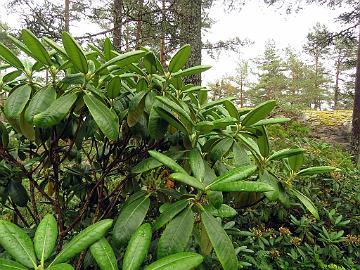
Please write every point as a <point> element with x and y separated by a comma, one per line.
<point>113,88</point>
<point>167,161</point>
<point>61,266</point>
<point>296,161</point>
<point>130,218</point>
<point>197,164</point>
<point>191,71</point>
<point>74,52</point>
<point>316,170</point>
<point>179,59</point>
<point>271,121</point>
<point>269,179</point>
<point>221,242</point>
<point>55,46</point>
<point>230,107</point>
<point>157,125</point>
<point>10,265</point>
<point>215,198</point>
<point>20,45</point>
<point>11,76</point>
<point>122,60</point>
<point>9,57</point>
<point>204,127</point>
<point>187,179</point>
<point>242,186</point>
<point>178,261</point>
<point>107,49</point>
<point>263,141</point>
<point>258,113</point>
<point>26,129</point>
<point>170,213</point>
<point>17,101</point>
<point>56,112</point>
<point>136,108</point>
<point>104,255</point>
<point>137,248</point>
<point>106,119</point>
<point>236,174</point>
<point>216,102</point>
<point>285,153</point>
<point>251,146</point>
<point>39,103</point>
<point>18,193</point>
<point>38,50</point>
<point>17,243</point>
<point>221,149</point>
<point>224,211</point>
<point>83,240</point>
<point>241,158</point>
<point>45,237</point>
<point>176,234</point>
<point>168,117</point>
<point>307,203</point>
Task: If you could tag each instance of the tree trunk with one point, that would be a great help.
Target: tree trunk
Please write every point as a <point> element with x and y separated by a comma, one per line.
<point>139,24</point>
<point>162,39</point>
<point>67,15</point>
<point>190,33</point>
<point>241,93</point>
<point>117,31</point>
<point>336,90</point>
<point>355,142</point>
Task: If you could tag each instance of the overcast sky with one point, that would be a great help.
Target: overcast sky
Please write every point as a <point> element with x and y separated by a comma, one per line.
<point>255,21</point>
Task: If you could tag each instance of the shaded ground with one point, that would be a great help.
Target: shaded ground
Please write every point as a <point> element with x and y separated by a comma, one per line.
<point>331,126</point>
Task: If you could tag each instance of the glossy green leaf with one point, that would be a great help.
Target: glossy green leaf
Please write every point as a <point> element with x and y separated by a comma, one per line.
<point>285,153</point>
<point>204,127</point>
<point>137,248</point>
<point>136,108</point>
<point>235,174</point>
<point>56,112</point>
<point>251,146</point>
<point>242,186</point>
<point>103,254</point>
<point>269,179</point>
<point>40,102</point>
<point>74,52</point>
<point>307,203</point>
<point>167,161</point>
<point>187,179</point>
<point>221,242</point>
<point>179,59</point>
<point>122,60</point>
<point>17,101</point>
<point>45,237</point>
<point>178,261</point>
<point>221,149</point>
<point>55,46</point>
<point>26,129</point>
<point>231,108</point>
<point>258,113</point>
<point>113,88</point>
<point>17,244</point>
<point>106,119</point>
<point>241,157</point>
<point>191,71</point>
<point>215,198</point>
<point>37,49</point>
<point>61,266</point>
<point>18,193</point>
<point>9,57</point>
<point>170,213</point>
<point>11,76</point>
<point>83,240</point>
<point>130,218</point>
<point>150,63</point>
<point>296,161</point>
<point>263,141</point>
<point>197,164</point>
<point>157,125</point>
<point>271,121</point>
<point>10,265</point>
<point>176,234</point>
<point>107,49</point>
<point>224,211</point>
<point>173,121</point>
<point>316,170</point>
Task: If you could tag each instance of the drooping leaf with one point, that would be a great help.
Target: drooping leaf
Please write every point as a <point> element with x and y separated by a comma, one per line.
<point>11,265</point>
<point>17,101</point>
<point>106,119</point>
<point>56,112</point>
<point>179,59</point>
<point>38,50</point>
<point>18,193</point>
<point>285,153</point>
<point>307,203</point>
<point>269,179</point>
<point>191,71</point>
<point>258,113</point>
<point>178,261</point>
<point>173,121</point>
<point>221,149</point>
<point>157,125</point>
<point>40,102</point>
<point>136,108</point>
<point>11,76</point>
<point>45,237</point>
<point>316,170</point>
<point>104,255</point>
<point>83,240</point>
<point>17,244</point>
<point>9,57</point>
<point>176,235</point>
<point>224,211</point>
<point>74,52</point>
<point>187,179</point>
<point>130,218</point>
<point>113,88</point>
<point>241,158</point>
<point>271,121</point>
<point>215,198</point>
<point>242,186</point>
<point>230,107</point>
<point>197,164</point>
<point>221,242</point>
<point>137,248</point>
<point>170,213</point>
<point>167,161</point>
<point>296,161</point>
